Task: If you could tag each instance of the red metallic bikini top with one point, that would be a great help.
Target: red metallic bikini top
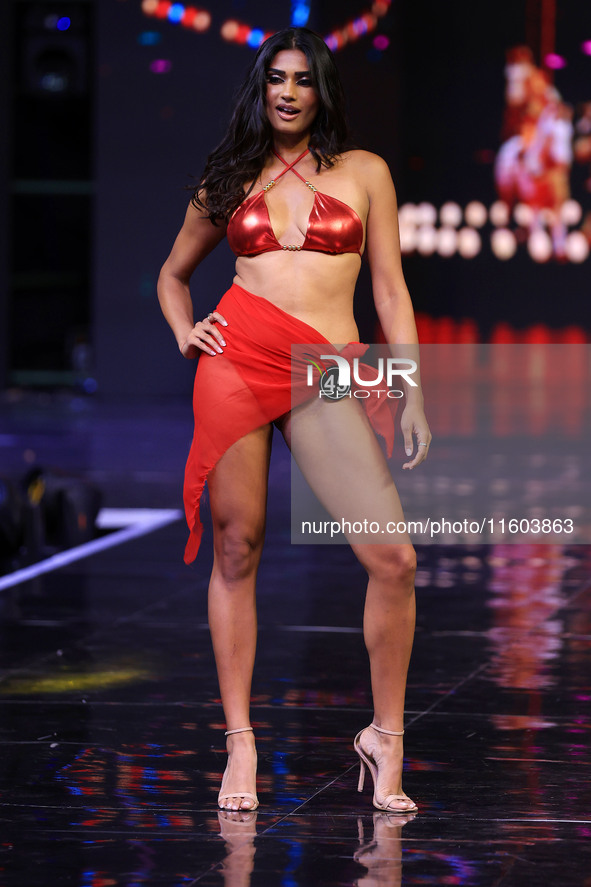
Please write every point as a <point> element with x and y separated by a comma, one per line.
<point>333,226</point>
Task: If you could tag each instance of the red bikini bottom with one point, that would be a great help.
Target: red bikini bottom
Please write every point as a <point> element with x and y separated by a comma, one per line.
<point>252,384</point>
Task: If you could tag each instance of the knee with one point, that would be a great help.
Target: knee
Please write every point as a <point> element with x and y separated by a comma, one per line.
<point>395,565</point>
<point>237,555</point>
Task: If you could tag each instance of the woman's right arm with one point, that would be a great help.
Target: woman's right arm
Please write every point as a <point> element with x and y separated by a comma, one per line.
<point>195,241</point>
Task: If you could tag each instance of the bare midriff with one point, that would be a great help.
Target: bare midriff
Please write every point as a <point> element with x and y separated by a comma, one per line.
<point>314,287</point>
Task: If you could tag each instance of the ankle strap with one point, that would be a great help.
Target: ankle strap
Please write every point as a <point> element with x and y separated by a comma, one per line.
<point>388,732</point>
<point>239,730</point>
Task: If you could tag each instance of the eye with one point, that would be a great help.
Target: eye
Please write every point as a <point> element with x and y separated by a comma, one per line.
<point>305,81</point>
<point>274,79</point>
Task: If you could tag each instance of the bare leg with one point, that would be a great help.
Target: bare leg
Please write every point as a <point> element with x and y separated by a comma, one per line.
<point>332,442</point>
<point>388,627</point>
<point>238,496</point>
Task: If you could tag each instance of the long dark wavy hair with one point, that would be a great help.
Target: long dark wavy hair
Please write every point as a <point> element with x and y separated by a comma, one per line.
<point>240,156</point>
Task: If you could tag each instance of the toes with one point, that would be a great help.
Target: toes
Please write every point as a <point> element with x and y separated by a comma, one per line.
<point>240,803</point>
<point>401,806</point>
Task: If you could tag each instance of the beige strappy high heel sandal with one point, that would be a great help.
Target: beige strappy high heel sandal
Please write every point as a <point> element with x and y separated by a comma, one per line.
<point>365,760</point>
<point>223,796</point>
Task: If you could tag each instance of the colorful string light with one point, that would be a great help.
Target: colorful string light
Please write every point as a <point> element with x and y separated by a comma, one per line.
<point>358,27</point>
<point>178,14</point>
<point>234,31</point>
<point>300,13</point>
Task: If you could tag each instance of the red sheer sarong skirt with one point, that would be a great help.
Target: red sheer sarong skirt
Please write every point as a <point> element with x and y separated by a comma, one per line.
<point>248,386</point>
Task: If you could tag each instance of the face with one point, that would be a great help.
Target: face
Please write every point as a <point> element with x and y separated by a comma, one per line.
<point>292,100</point>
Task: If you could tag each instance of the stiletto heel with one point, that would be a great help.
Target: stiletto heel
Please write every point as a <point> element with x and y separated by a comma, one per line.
<point>240,796</point>
<point>365,760</point>
<point>361,773</point>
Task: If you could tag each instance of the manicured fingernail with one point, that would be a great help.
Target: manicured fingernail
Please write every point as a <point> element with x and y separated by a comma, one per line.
<point>408,451</point>
<point>223,343</point>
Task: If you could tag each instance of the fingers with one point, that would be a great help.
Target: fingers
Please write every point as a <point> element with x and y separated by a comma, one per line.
<point>216,316</point>
<point>420,456</point>
<point>424,437</point>
<point>408,442</point>
<point>206,336</point>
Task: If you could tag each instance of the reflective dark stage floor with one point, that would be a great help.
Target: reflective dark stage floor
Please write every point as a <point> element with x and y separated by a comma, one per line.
<point>112,732</point>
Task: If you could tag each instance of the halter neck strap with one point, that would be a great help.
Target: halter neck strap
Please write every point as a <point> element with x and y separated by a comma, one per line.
<point>290,166</point>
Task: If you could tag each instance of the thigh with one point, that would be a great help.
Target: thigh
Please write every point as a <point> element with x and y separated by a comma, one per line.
<point>339,455</point>
<point>238,486</point>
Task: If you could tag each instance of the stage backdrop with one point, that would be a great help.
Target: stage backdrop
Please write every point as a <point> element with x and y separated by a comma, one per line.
<point>153,132</point>
<point>430,96</point>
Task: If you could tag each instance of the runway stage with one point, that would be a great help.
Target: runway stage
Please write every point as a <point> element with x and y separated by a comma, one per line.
<point>112,731</point>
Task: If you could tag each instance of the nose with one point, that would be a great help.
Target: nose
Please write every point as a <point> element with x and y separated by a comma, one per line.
<point>288,92</point>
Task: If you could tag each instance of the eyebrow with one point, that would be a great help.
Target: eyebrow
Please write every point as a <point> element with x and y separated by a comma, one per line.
<point>278,71</point>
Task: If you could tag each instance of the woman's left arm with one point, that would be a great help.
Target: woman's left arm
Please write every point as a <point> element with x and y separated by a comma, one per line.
<point>391,297</point>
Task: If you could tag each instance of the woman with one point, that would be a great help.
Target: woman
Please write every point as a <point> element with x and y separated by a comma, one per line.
<point>298,209</point>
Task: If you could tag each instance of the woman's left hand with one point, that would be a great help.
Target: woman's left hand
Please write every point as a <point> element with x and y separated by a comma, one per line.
<point>413,422</point>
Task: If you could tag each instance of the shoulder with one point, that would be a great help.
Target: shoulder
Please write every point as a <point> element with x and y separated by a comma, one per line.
<point>369,168</point>
<point>359,159</point>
